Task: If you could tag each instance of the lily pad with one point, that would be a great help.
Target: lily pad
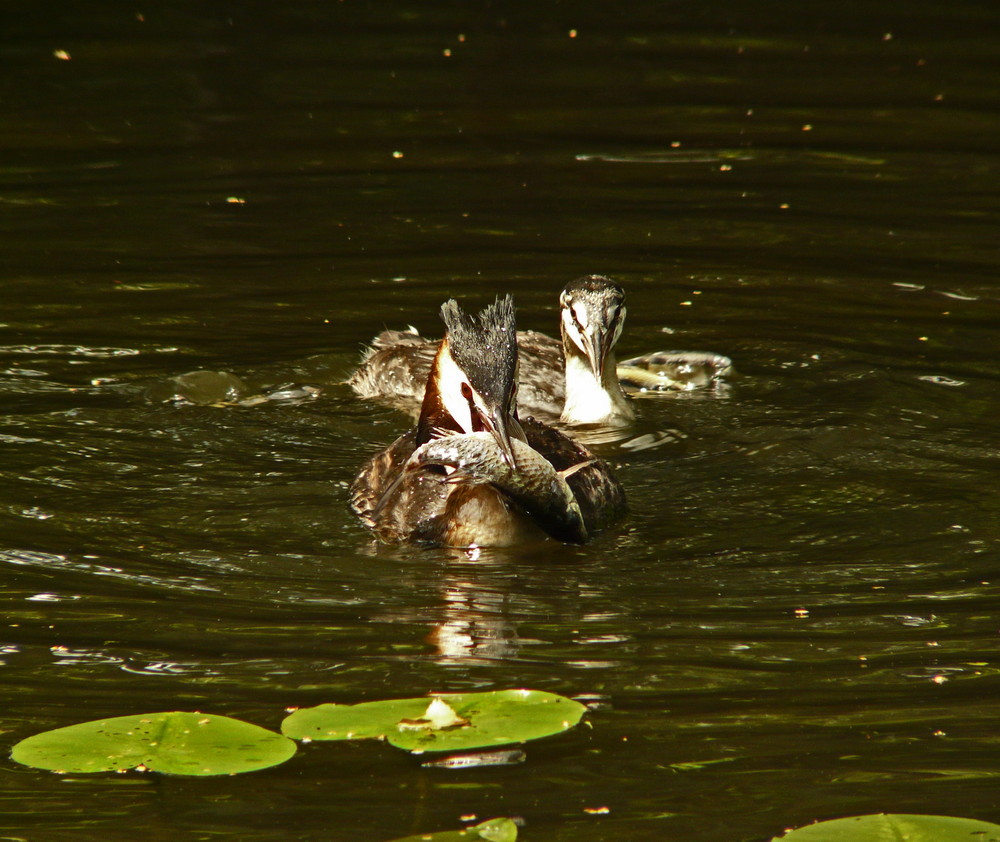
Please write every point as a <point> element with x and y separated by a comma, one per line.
<point>493,830</point>
<point>445,722</point>
<point>898,827</point>
<point>176,743</point>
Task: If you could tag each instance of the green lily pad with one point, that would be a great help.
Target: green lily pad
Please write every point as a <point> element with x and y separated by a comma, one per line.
<point>445,722</point>
<point>898,827</point>
<point>494,830</point>
<point>176,743</point>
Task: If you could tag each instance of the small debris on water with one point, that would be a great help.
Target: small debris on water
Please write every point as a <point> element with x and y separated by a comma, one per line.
<point>510,757</point>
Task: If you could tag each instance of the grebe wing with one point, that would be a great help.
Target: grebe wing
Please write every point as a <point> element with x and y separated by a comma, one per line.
<point>405,338</point>
<point>379,473</point>
<point>541,384</point>
<point>395,368</point>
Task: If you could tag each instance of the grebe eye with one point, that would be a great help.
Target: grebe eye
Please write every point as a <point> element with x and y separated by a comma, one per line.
<point>467,391</point>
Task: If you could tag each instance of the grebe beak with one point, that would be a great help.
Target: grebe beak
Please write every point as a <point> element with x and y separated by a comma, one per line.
<point>503,427</point>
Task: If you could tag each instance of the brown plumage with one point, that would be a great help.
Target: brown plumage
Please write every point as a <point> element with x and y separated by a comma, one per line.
<point>410,492</point>
<point>571,379</point>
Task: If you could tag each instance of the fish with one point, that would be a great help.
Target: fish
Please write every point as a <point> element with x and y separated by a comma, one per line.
<point>532,482</point>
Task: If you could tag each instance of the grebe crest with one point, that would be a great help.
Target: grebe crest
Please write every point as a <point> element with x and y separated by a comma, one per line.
<point>474,375</point>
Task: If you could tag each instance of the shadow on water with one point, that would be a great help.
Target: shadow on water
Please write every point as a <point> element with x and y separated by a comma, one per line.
<point>797,620</point>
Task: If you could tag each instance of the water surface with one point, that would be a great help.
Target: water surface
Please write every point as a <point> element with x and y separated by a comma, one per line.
<point>797,621</point>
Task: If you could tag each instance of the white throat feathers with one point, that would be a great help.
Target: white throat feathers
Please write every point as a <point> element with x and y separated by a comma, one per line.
<point>590,401</point>
<point>450,380</point>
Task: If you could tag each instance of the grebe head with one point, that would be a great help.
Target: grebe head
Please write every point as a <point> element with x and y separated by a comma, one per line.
<point>593,314</point>
<point>476,371</point>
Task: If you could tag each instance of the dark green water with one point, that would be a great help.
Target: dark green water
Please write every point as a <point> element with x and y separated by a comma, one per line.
<point>803,603</point>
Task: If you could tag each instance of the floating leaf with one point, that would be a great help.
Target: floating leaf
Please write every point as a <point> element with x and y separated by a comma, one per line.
<point>476,720</point>
<point>368,720</point>
<point>898,827</point>
<point>494,830</point>
<point>176,742</point>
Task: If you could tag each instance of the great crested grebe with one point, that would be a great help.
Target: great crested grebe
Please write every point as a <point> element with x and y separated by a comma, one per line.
<point>470,474</point>
<point>572,379</point>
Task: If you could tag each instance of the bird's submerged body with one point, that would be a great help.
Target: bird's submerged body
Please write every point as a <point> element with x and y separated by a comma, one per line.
<point>675,371</point>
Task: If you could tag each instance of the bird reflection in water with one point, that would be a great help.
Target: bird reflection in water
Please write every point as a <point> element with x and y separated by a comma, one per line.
<point>474,626</point>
